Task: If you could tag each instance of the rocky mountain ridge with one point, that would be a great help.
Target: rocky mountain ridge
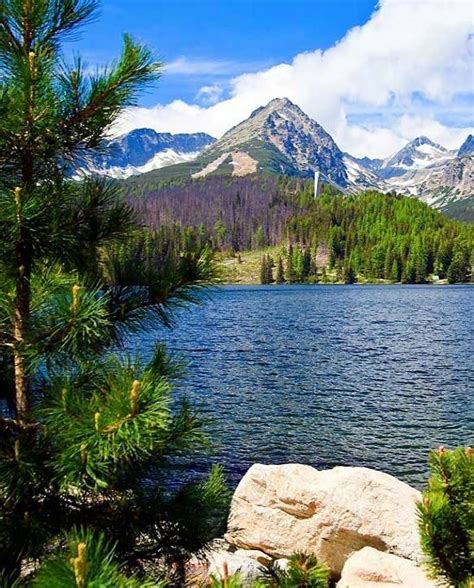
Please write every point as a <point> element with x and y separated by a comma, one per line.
<point>144,150</point>
<point>280,138</point>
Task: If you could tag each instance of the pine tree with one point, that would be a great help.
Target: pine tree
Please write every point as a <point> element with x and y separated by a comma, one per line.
<point>259,238</point>
<point>291,277</point>
<point>87,560</point>
<point>395,274</point>
<point>460,267</point>
<point>313,270</point>
<point>457,270</point>
<point>388,266</point>
<point>269,272</point>
<point>298,264</point>
<point>446,516</point>
<point>444,257</point>
<point>264,270</point>
<point>349,274</point>
<point>280,274</point>
<point>76,276</point>
<point>306,265</point>
<point>220,231</point>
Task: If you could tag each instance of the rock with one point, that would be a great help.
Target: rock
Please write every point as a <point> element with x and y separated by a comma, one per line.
<point>281,564</point>
<point>225,563</point>
<point>369,568</point>
<point>332,514</point>
<point>262,558</point>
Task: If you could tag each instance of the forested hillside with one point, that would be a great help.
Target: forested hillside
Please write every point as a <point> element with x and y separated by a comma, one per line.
<point>385,237</point>
<point>372,235</point>
<point>239,213</point>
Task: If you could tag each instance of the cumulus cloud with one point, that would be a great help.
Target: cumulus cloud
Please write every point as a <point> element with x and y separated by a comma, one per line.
<point>385,82</point>
<point>210,94</point>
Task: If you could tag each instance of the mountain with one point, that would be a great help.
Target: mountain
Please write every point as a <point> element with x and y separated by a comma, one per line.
<point>467,147</point>
<point>429,171</point>
<point>367,162</point>
<point>417,154</point>
<point>280,138</point>
<point>144,150</point>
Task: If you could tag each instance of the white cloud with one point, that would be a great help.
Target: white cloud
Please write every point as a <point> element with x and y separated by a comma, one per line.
<point>185,66</point>
<point>210,94</point>
<point>209,67</point>
<point>409,53</point>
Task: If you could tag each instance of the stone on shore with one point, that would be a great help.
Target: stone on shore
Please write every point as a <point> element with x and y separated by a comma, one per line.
<point>369,568</point>
<point>281,509</point>
<point>226,563</point>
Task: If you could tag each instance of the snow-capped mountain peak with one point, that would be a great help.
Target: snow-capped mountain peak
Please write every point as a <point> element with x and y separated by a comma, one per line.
<point>281,138</point>
<point>418,153</point>
<point>144,150</point>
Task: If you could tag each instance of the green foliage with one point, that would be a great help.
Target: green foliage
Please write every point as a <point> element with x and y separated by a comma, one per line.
<point>459,269</point>
<point>280,274</point>
<point>87,561</point>
<point>233,581</point>
<point>303,571</point>
<point>84,422</point>
<point>266,270</point>
<point>349,274</point>
<point>446,516</point>
<point>383,237</point>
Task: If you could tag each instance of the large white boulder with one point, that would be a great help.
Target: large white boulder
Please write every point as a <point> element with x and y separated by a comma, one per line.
<point>332,513</point>
<point>369,568</point>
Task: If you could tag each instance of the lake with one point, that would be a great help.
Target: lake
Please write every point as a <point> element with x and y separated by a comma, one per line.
<point>330,375</point>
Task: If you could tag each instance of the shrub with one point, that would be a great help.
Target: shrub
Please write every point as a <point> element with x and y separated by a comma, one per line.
<point>446,516</point>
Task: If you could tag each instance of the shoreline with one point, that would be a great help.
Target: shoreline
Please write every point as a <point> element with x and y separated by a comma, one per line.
<point>254,283</point>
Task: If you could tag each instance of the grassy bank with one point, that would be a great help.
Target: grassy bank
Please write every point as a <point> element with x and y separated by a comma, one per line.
<point>244,268</point>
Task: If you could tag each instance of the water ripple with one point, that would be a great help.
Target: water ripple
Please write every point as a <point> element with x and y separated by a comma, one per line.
<point>325,375</point>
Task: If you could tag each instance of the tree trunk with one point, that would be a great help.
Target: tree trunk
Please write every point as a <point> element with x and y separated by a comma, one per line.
<point>22,314</point>
<point>22,310</point>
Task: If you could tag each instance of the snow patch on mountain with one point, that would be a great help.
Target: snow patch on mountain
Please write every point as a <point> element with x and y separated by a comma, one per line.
<point>281,138</point>
<point>144,150</point>
<point>417,154</point>
<point>162,159</point>
<point>360,177</point>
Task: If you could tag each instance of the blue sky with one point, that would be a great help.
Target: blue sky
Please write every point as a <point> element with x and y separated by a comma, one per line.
<point>374,74</point>
<point>220,38</point>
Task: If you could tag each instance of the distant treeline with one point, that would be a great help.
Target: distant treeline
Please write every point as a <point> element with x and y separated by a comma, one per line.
<point>373,235</point>
<point>386,237</point>
<point>237,213</point>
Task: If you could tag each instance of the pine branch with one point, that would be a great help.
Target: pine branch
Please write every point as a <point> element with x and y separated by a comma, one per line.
<point>108,94</point>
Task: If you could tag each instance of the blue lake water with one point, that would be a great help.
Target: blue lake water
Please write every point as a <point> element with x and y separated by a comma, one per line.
<point>328,375</point>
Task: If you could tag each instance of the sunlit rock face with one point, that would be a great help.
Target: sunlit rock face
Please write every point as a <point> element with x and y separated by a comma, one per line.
<point>369,568</point>
<point>332,514</point>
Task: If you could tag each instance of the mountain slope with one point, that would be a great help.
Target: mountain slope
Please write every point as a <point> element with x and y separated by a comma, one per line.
<point>144,150</point>
<point>278,138</point>
<point>304,145</point>
<point>417,154</point>
<point>467,147</point>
